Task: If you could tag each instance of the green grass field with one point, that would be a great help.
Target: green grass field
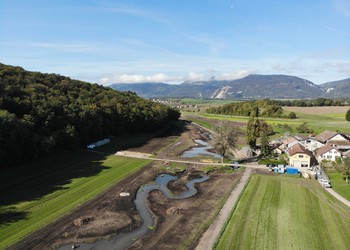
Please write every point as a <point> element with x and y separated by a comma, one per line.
<point>339,185</point>
<point>34,198</point>
<point>318,123</point>
<point>317,118</point>
<point>280,212</point>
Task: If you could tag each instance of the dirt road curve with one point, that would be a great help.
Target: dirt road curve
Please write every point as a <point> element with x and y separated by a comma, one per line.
<point>208,239</point>
<point>338,196</point>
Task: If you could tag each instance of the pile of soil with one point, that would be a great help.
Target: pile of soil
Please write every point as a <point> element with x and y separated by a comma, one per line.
<point>99,223</point>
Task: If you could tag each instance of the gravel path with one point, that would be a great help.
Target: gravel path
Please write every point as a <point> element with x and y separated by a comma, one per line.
<point>209,237</point>
<point>338,196</point>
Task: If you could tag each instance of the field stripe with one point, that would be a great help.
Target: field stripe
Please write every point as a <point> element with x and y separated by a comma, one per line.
<point>278,212</point>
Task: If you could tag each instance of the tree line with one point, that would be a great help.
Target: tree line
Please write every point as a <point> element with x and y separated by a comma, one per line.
<point>44,113</point>
<point>257,108</point>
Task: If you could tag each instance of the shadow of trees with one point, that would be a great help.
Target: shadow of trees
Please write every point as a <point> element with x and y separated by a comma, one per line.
<point>33,181</point>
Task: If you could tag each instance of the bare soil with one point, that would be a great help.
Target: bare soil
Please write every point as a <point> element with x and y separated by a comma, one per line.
<point>110,214</point>
<point>215,122</point>
<point>184,221</point>
<point>173,145</point>
<point>319,110</point>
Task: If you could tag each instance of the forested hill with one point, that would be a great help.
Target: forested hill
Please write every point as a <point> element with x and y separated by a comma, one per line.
<point>43,113</point>
<point>261,108</point>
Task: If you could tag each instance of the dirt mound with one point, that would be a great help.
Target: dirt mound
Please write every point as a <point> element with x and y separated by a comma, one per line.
<point>101,223</point>
<point>83,221</point>
<point>174,210</point>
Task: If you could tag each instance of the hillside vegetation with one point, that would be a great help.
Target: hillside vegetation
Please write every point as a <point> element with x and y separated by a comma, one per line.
<point>262,108</point>
<point>44,113</point>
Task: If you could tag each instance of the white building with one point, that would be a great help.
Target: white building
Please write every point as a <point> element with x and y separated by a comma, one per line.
<point>327,152</point>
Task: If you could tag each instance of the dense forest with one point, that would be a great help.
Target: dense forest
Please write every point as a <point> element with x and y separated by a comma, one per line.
<point>44,113</point>
<point>259,108</point>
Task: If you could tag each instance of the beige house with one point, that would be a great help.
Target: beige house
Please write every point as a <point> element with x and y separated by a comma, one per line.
<point>300,157</point>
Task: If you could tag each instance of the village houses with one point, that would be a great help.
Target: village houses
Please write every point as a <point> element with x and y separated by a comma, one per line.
<point>307,151</point>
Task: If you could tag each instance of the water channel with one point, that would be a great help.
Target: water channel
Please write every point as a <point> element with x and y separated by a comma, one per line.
<point>198,151</point>
<point>124,240</point>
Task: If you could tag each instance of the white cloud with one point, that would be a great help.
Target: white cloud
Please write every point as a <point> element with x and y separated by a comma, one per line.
<point>161,77</point>
<point>343,68</point>
<point>135,78</point>
<point>67,47</point>
<point>236,75</point>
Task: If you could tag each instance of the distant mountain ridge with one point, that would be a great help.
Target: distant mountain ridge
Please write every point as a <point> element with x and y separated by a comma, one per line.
<point>250,87</point>
<point>340,89</point>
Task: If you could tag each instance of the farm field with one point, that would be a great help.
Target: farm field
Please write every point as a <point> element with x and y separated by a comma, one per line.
<point>281,212</point>
<point>317,118</point>
<point>329,110</point>
<point>40,197</point>
<point>339,185</point>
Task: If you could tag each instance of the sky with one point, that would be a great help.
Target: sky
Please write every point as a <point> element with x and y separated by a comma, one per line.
<point>129,41</point>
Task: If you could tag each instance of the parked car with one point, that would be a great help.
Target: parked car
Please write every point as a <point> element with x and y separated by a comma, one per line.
<point>235,166</point>
<point>325,183</point>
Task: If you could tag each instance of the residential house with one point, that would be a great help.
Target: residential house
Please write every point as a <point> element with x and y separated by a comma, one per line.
<point>289,142</point>
<point>327,152</point>
<point>335,139</point>
<point>312,144</point>
<point>325,136</point>
<point>300,157</point>
<point>346,154</point>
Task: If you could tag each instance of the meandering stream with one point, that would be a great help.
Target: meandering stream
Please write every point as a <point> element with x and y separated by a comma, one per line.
<point>124,240</point>
<point>198,151</point>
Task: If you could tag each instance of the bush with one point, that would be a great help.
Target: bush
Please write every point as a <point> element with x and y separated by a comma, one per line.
<point>347,116</point>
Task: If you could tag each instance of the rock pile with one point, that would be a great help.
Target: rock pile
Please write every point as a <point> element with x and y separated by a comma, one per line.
<point>83,221</point>
<point>174,210</point>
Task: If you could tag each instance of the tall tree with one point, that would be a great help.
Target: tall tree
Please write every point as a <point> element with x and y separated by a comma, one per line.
<point>347,116</point>
<point>346,169</point>
<point>265,145</point>
<point>252,132</point>
<point>256,128</point>
<point>226,137</point>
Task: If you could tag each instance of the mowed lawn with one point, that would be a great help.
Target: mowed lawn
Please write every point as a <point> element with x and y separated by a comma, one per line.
<point>33,198</point>
<point>281,212</point>
<point>339,184</point>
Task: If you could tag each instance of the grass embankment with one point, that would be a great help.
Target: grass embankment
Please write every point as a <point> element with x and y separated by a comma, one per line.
<point>33,197</point>
<point>339,185</point>
<point>278,212</point>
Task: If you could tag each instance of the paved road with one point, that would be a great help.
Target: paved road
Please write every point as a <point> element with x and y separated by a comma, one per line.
<point>209,237</point>
<point>338,196</point>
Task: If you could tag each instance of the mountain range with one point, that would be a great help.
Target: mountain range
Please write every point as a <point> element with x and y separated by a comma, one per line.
<point>250,87</point>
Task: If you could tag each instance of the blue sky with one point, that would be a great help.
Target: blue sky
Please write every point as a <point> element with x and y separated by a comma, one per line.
<point>173,41</point>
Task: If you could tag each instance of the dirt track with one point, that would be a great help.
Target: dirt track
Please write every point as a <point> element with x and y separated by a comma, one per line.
<point>209,237</point>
